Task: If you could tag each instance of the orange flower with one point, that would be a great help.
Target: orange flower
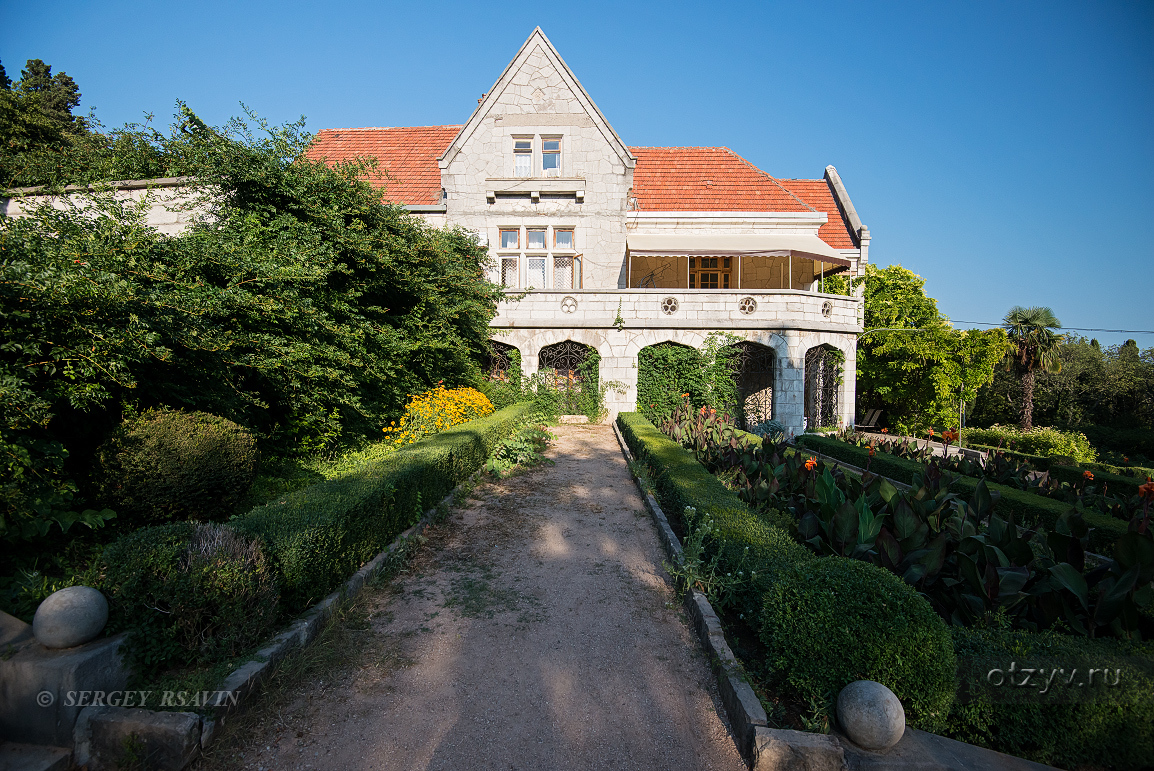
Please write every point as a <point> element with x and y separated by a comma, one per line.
<point>885,430</point>
<point>1147,490</point>
<point>930,432</point>
<point>809,464</point>
<point>950,436</point>
<point>871,451</point>
<point>1088,476</point>
<point>685,396</point>
<point>1125,459</point>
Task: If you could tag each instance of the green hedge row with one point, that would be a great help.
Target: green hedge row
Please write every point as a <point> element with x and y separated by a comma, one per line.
<point>1117,483</point>
<point>1040,462</point>
<point>1029,510</point>
<point>321,534</point>
<point>1061,726</point>
<point>1115,475</point>
<point>825,622</point>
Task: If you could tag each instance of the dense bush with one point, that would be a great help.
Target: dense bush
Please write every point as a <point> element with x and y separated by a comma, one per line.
<point>668,373</point>
<point>300,306</point>
<point>319,535</point>
<point>188,593</point>
<point>1046,442</point>
<point>1113,727</point>
<point>435,410</point>
<point>167,465</point>
<point>1128,442</point>
<point>828,622</point>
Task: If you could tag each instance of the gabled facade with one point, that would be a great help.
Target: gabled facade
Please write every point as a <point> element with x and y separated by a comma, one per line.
<point>675,242</point>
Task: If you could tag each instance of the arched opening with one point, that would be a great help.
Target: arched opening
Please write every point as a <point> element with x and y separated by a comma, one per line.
<point>571,369</point>
<point>753,370</point>
<point>502,364</point>
<point>823,375</point>
<point>665,371</point>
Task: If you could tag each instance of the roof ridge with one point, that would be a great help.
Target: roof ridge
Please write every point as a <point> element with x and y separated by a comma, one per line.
<point>772,179</point>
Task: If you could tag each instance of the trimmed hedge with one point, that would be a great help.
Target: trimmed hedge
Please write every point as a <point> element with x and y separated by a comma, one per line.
<point>321,534</point>
<point>830,621</point>
<point>1040,462</point>
<point>1029,509</point>
<point>1128,486</point>
<point>915,658</point>
<point>1115,730</point>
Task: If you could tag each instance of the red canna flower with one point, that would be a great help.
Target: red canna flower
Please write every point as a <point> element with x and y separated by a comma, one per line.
<point>1088,476</point>
<point>871,451</point>
<point>885,430</point>
<point>809,464</point>
<point>1147,490</point>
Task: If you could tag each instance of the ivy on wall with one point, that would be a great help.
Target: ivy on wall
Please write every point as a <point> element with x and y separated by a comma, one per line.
<point>666,371</point>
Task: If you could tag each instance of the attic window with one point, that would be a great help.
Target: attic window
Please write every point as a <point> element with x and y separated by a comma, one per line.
<point>551,156</point>
<point>522,156</point>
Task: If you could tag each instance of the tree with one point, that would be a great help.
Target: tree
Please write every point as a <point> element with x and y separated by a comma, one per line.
<point>58,94</point>
<point>1036,347</point>
<point>911,362</point>
<point>37,127</point>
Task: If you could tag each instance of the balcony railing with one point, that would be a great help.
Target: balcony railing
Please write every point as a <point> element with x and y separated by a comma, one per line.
<point>683,308</point>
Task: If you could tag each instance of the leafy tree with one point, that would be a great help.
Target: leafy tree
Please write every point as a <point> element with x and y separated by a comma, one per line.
<point>37,127</point>
<point>58,94</point>
<point>1036,345</point>
<point>911,362</point>
<point>298,304</point>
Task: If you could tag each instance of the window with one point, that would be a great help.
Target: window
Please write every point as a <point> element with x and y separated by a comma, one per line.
<point>511,239</point>
<point>709,272</point>
<point>535,239</point>
<point>551,156</point>
<point>523,156</point>
<point>509,271</point>
<point>565,273</point>
<point>562,239</point>
<point>535,272</point>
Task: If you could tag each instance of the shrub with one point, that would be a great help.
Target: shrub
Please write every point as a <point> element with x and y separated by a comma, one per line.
<point>827,622</point>
<point>1116,483</point>
<point>1113,730</point>
<point>435,410</point>
<point>188,592</point>
<point>1135,442</point>
<point>319,535</point>
<point>169,465</point>
<point>1037,441</point>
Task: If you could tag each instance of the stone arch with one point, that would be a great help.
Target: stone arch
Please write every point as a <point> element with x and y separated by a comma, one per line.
<point>754,370</point>
<point>571,368</point>
<point>502,362</point>
<point>824,371</point>
<point>666,369</point>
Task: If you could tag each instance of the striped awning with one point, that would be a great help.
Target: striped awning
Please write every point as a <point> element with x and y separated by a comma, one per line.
<point>761,245</point>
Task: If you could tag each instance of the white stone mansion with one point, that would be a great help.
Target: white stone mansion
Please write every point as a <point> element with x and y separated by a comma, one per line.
<point>683,241</point>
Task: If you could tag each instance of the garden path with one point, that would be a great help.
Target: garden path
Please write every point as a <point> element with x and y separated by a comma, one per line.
<point>535,630</point>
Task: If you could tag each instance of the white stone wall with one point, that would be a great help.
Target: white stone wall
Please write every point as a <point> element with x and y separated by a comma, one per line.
<point>536,98</point>
<point>170,209</point>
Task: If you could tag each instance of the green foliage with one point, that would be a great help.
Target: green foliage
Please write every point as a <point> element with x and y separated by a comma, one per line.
<point>697,571</point>
<point>522,450</point>
<point>188,593</point>
<point>918,377</point>
<point>303,308</point>
<point>1113,728</point>
<point>1046,442</point>
<point>668,371</point>
<point>168,465</point>
<point>37,126</point>
<point>1036,347</point>
<point>319,535</point>
<point>828,622</point>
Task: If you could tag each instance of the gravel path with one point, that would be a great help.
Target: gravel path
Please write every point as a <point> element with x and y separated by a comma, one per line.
<point>534,631</point>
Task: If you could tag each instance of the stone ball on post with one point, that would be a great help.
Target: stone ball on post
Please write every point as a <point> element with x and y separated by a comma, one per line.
<point>70,617</point>
<point>871,716</point>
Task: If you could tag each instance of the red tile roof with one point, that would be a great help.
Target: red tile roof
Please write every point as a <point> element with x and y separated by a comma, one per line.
<point>665,179</point>
<point>408,155</point>
<point>705,179</point>
<point>817,193</point>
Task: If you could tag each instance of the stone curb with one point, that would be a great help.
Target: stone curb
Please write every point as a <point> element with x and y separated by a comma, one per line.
<point>746,715</point>
<point>243,681</point>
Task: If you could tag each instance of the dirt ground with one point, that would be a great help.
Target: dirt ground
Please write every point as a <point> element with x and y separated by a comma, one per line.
<point>535,630</point>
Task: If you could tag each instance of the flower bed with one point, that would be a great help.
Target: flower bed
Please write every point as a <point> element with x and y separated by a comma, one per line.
<point>1097,726</point>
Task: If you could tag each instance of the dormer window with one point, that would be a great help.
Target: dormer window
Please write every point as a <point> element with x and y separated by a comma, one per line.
<point>551,156</point>
<point>523,156</point>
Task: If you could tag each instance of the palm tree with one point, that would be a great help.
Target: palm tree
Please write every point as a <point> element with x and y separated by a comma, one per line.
<point>1035,342</point>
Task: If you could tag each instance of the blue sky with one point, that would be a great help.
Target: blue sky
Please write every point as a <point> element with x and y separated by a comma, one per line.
<point>1003,150</point>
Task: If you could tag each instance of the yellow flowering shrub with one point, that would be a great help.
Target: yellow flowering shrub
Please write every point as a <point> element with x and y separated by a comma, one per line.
<point>434,411</point>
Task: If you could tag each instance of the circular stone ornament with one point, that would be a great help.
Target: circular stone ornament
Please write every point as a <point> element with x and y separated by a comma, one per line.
<point>70,617</point>
<point>827,309</point>
<point>747,305</point>
<point>871,716</point>
<point>569,304</point>
<point>669,306</point>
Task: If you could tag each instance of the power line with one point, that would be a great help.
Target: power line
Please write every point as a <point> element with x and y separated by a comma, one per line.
<point>1072,329</point>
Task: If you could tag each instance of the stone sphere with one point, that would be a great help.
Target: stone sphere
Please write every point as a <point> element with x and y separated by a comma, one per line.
<point>70,617</point>
<point>870,714</point>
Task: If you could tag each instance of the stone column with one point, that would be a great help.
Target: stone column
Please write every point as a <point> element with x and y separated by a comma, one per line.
<point>789,385</point>
<point>848,404</point>
<point>617,364</point>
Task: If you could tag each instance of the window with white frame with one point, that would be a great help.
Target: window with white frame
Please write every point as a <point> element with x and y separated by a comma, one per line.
<point>523,156</point>
<point>551,156</point>
<point>539,258</point>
